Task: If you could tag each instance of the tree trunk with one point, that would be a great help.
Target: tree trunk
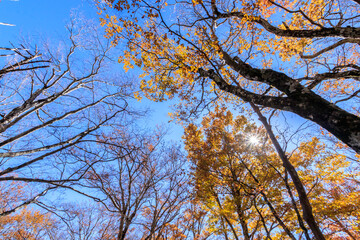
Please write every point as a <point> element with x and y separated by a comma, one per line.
<point>304,201</point>
<point>343,125</point>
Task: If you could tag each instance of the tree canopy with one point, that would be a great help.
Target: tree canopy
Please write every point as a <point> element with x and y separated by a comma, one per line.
<point>78,160</point>
<point>296,56</point>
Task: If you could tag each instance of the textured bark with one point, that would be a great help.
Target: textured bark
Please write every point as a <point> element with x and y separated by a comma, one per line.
<point>299,100</point>
<point>343,125</point>
<point>345,32</point>
<point>304,201</point>
<point>293,202</point>
<point>357,1</point>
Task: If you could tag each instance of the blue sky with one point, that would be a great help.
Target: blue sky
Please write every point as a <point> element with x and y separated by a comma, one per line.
<point>43,20</point>
<point>46,20</point>
<point>37,17</point>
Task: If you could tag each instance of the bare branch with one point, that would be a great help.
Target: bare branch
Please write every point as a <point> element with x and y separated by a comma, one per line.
<point>32,200</point>
<point>329,48</point>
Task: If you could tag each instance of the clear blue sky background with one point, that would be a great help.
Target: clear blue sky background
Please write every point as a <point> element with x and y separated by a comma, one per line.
<point>38,17</point>
<point>37,21</point>
<point>46,20</point>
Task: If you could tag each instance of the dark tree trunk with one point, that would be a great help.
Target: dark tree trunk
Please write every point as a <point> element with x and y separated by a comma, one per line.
<point>299,100</point>
<point>304,201</point>
<point>343,125</point>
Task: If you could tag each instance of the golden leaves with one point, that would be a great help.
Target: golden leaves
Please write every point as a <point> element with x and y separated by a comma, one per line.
<point>169,53</point>
<point>26,223</point>
<point>222,181</point>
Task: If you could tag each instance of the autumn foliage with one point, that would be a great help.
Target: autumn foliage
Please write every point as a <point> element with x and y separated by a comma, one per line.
<point>296,56</point>
<point>247,193</point>
<point>267,92</point>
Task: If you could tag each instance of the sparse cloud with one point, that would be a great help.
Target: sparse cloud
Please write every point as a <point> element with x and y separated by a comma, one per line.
<point>7,24</point>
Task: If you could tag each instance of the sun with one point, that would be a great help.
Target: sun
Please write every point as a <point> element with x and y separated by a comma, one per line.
<point>253,140</point>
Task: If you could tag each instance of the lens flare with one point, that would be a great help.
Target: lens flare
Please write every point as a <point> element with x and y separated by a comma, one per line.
<point>253,140</point>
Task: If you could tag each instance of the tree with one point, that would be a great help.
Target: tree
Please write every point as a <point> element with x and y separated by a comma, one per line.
<point>82,221</point>
<point>246,189</point>
<point>140,184</point>
<point>51,103</point>
<point>234,44</point>
<point>26,223</point>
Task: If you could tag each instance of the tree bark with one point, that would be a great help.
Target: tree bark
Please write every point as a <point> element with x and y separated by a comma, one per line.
<point>299,100</point>
<point>304,201</point>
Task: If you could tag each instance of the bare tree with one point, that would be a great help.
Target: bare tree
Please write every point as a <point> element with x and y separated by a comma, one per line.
<point>142,184</point>
<point>51,103</point>
<point>81,221</point>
